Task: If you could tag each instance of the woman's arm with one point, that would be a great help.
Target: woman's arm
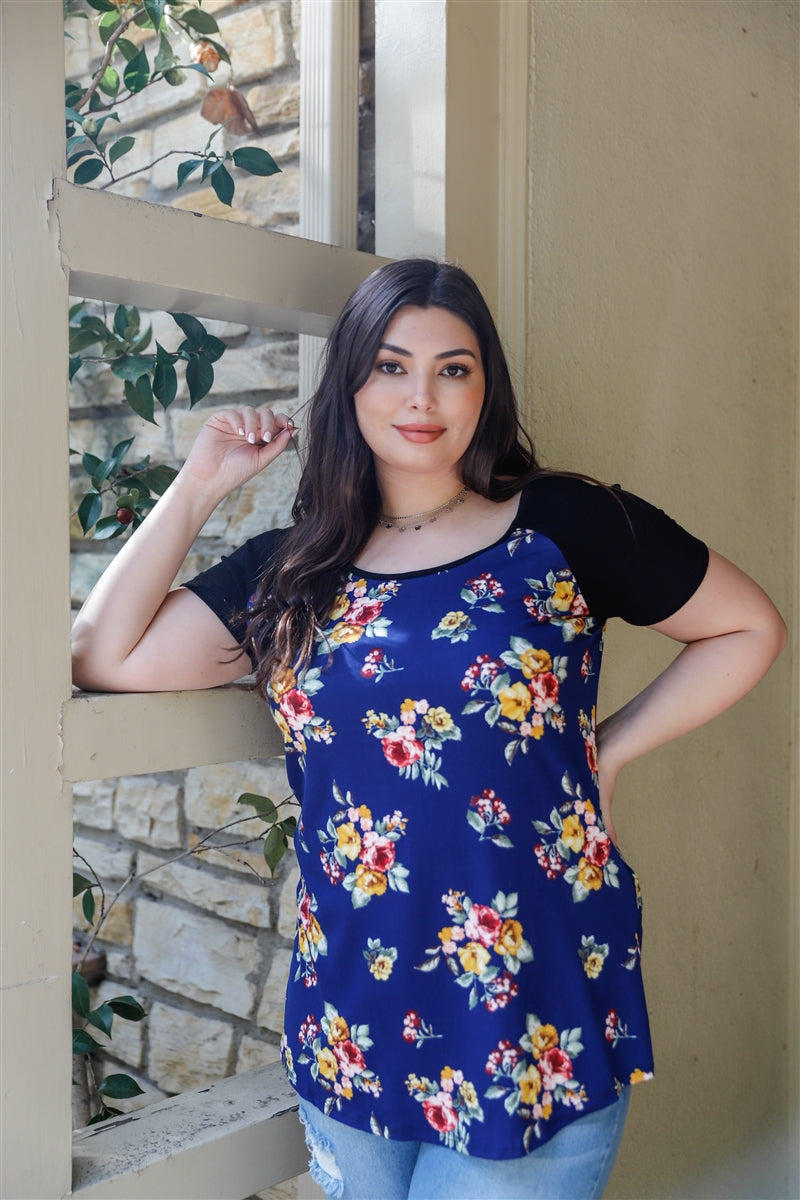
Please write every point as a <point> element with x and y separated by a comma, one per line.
<point>733,633</point>
<point>133,633</point>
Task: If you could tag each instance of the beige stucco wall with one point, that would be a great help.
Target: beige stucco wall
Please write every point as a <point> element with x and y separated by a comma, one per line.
<point>663,302</point>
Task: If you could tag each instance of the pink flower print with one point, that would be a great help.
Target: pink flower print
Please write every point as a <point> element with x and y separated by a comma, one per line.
<point>483,925</point>
<point>544,690</point>
<point>401,747</point>
<point>350,1059</point>
<point>296,708</point>
<point>362,611</point>
<point>555,1068</point>
<point>377,852</point>
<point>439,1113</point>
<point>597,846</point>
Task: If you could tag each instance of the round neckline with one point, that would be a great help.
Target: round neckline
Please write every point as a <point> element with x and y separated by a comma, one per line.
<point>440,567</point>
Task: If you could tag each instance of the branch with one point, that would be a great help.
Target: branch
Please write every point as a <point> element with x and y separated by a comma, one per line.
<point>110,44</point>
<point>138,171</point>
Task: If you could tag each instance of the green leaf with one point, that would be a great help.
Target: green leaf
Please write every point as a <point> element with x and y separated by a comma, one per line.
<point>120,147</point>
<point>80,883</point>
<point>266,808</point>
<point>87,904</point>
<point>199,378</point>
<point>102,1018</point>
<point>127,48</point>
<point>76,310</point>
<point>109,82</point>
<point>275,846</point>
<point>164,356</point>
<point>122,448</point>
<point>109,21</point>
<point>88,170</point>
<point>142,340</point>
<point>165,384</point>
<point>140,397</point>
<point>155,11</point>
<point>105,1114</point>
<point>81,1001</point>
<point>223,185</point>
<point>187,168</point>
<point>121,320</point>
<point>255,160</point>
<point>164,57</point>
<point>127,1008</point>
<point>119,1087</point>
<point>212,348</point>
<point>89,510</point>
<point>203,22</point>
<point>78,139</point>
<point>83,1042</point>
<point>174,77</point>
<point>108,527</point>
<point>72,114</point>
<point>81,339</point>
<point>133,366</point>
<point>158,478</point>
<point>102,6</point>
<point>137,72</point>
<point>90,463</point>
<point>191,328</point>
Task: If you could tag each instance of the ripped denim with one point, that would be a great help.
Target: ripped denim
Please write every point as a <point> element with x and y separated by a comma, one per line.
<point>349,1164</point>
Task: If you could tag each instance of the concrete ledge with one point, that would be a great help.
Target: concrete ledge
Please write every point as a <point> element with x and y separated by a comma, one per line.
<point>223,1142</point>
<point>134,734</point>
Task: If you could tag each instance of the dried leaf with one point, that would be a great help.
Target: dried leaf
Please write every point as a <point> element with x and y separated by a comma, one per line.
<point>227,106</point>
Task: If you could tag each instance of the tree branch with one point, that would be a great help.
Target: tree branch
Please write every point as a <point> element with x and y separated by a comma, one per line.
<point>100,72</point>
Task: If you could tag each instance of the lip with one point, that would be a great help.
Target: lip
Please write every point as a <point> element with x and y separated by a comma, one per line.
<point>420,433</point>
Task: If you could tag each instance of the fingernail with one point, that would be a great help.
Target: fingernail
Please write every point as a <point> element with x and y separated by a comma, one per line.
<point>267,438</point>
<point>240,431</point>
<point>290,423</point>
<point>251,437</point>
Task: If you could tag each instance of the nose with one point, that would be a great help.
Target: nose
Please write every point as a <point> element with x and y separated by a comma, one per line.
<point>422,398</point>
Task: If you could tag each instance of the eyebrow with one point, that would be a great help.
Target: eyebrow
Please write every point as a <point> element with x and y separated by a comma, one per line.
<point>444,353</point>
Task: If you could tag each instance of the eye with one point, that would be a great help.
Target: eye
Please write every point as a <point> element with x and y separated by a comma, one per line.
<point>455,370</point>
<point>388,366</point>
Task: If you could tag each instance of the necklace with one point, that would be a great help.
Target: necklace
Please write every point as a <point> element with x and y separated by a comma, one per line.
<point>417,520</point>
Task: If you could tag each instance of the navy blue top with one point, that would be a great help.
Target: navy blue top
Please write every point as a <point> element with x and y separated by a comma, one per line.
<point>467,958</point>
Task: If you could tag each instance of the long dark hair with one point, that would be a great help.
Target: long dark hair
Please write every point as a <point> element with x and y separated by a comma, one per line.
<point>338,501</point>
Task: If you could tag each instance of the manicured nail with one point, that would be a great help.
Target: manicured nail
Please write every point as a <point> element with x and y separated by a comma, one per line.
<point>290,423</point>
<point>251,437</point>
<point>240,431</point>
<point>266,438</point>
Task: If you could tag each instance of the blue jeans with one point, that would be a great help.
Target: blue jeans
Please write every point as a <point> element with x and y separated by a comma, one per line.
<point>574,1165</point>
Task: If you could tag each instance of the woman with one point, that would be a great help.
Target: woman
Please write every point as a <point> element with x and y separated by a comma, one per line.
<point>466,980</point>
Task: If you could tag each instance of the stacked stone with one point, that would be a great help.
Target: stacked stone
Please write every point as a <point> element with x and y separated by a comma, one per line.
<point>202,938</point>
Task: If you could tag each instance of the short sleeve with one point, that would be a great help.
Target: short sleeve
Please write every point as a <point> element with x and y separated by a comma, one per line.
<point>230,584</point>
<point>630,559</point>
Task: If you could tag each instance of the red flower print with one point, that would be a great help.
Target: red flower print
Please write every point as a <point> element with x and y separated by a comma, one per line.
<point>362,611</point>
<point>296,708</point>
<point>591,754</point>
<point>401,747</point>
<point>597,847</point>
<point>544,690</point>
<point>555,1067</point>
<point>351,1060</point>
<point>483,925</point>
<point>304,908</point>
<point>439,1113</point>
<point>377,852</point>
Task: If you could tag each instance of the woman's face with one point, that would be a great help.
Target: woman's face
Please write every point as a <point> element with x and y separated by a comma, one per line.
<point>420,405</point>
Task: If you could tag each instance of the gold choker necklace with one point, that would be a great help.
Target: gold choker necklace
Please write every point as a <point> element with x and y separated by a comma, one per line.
<point>417,520</point>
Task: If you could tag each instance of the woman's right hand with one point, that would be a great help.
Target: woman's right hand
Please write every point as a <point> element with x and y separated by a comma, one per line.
<point>235,444</point>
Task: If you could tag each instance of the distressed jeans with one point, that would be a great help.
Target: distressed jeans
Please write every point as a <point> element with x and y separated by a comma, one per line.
<point>349,1164</point>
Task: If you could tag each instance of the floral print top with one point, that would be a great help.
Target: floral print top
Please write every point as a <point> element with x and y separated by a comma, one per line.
<point>467,957</point>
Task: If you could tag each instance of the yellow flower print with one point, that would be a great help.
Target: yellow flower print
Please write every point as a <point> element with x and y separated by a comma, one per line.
<point>282,682</point>
<point>347,1091</point>
<point>510,940</point>
<point>530,1085</point>
<point>340,606</point>
<point>563,595</point>
<point>346,632</point>
<point>515,702</point>
<point>302,941</point>
<point>374,883</point>
<point>438,719</point>
<point>364,813</point>
<point>447,1073</point>
<point>474,957</point>
<point>544,1037</point>
<point>639,1076</point>
<point>589,875</point>
<point>468,1093</point>
<point>547,1109</point>
<point>314,930</point>
<point>537,729</point>
<point>381,968</point>
<point>375,720</point>
<point>328,1065</point>
<point>593,964</point>
<point>534,662</point>
<point>453,620</point>
<point>572,833</point>
<point>339,1030</point>
<point>446,934</point>
<point>282,724</point>
<point>349,840</point>
<point>408,706</point>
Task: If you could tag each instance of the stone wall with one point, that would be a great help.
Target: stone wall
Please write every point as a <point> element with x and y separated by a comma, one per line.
<point>201,937</point>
